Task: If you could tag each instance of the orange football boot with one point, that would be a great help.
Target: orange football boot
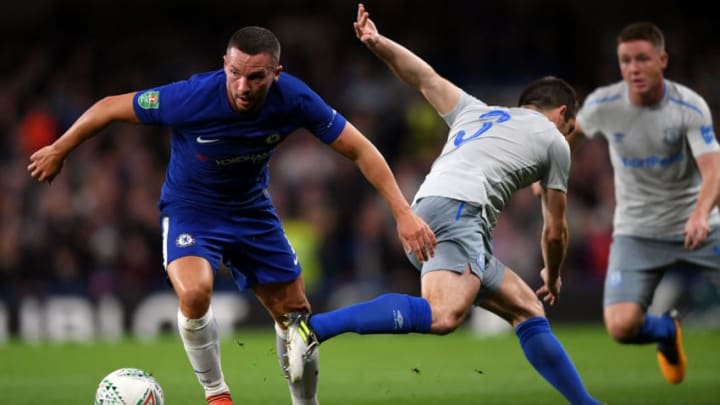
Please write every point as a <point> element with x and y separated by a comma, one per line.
<point>671,357</point>
<point>220,399</point>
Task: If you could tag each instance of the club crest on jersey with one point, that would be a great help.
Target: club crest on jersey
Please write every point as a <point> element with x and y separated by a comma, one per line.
<point>672,136</point>
<point>149,100</point>
<point>184,240</point>
<point>618,137</point>
<point>707,133</point>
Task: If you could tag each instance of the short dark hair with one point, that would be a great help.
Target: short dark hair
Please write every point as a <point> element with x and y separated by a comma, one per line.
<point>550,92</point>
<point>254,40</point>
<point>645,31</point>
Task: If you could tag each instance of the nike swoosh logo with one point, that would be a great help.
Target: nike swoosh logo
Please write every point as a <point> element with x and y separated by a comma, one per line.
<point>200,139</point>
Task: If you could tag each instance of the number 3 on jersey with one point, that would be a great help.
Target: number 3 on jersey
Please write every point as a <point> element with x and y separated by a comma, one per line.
<point>488,119</point>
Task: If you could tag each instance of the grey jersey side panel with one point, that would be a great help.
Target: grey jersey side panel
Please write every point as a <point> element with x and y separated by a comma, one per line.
<point>653,151</point>
<point>491,152</point>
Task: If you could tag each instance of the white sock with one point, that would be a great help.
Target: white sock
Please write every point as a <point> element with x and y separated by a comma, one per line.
<point>303,392</point>
<point>202,345</point>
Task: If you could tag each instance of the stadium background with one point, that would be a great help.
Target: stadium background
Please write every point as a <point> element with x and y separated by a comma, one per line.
<point>94,233</point>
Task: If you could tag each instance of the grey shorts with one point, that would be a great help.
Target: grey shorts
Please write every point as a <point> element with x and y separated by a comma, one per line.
<point>464,238</point>
<point>637,265</point>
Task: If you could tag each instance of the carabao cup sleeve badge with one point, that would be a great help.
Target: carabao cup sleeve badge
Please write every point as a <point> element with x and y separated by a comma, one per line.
<point>149,99</point>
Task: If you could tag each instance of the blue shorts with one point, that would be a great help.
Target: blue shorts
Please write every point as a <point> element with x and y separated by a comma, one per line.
<point>250,242</point>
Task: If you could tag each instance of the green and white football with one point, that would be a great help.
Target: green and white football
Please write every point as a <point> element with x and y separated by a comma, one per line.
<point>129,386</point>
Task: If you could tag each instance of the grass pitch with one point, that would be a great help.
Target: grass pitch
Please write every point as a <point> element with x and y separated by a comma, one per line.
<point>456,369</point>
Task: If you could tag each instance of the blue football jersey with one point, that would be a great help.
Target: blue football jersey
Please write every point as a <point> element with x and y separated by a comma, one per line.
<point>219,157</point>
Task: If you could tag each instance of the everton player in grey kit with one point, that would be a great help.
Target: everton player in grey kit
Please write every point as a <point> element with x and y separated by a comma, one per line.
<point>490,153</point>
<point>666,162</point>
<point>214,205</point>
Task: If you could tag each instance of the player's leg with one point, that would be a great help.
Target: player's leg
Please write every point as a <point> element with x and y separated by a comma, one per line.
<point>629,288</point>
<point>269,266</point>
<point>670,352</point>
<point>447,298</point>
<point>267,263</point>
<point>192,278</point>
<point>190,262</point>
<point>635,269</point>
<point>445,280</point>
<point>451,296</point>
<point>628,323</point>
<point>289,298</point>
<point>389,313</point>
<point>515,302</point>
<point>303,391</point>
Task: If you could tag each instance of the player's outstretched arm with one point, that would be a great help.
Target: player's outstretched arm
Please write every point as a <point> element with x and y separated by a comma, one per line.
<point>47,162</point>
<point>413,232</point>
<point>408,67</point>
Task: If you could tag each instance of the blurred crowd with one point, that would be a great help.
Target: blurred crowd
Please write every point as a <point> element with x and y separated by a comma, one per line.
<point>95,229</point>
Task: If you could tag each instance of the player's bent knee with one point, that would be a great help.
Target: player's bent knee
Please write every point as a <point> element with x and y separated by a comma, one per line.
<point>195,298</point>
<point>446,323</point>
<point>623,322</point>
<point>443,328</point>
<point>618,334</point>
<point>621,332</point>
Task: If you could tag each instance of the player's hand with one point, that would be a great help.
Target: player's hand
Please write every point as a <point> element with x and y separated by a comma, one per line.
<point>416,236</point>
<point>365,28</point>
<point>45,163</point>
<point>696,230</point>
<point>550,291</point>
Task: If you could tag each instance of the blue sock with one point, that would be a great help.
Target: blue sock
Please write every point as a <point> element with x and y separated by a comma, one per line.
<point>546,354</point>
<point>388,313</point>
<point>654,329</point>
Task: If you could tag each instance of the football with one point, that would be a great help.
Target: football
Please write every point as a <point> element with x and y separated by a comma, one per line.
<point>129,386</point>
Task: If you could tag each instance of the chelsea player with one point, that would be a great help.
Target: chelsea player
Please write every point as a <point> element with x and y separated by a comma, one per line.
<point>214,206</point>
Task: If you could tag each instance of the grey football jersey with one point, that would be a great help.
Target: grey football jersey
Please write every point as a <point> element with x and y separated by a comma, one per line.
<point>491,152</point>
<point>652,150</point>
